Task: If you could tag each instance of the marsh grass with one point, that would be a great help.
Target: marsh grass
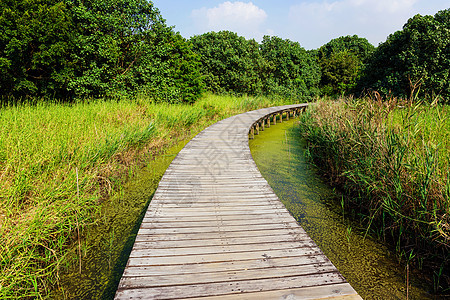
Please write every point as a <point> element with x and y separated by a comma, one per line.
<point>60,162</point>
<point>392,157</point>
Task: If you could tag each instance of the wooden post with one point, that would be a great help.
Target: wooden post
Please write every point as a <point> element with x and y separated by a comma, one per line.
<point>281,117</point>
<point>274,119</point>
<point>287,115</point>
<point>262,124</point>
<point>257,128</point>
<point>252,133</point>
<point>268,121</point>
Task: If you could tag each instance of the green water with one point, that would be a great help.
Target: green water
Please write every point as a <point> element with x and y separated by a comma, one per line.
<point>368,265</point>
<point>107,244</point>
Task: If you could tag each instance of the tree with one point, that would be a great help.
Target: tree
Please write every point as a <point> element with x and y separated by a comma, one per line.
<point>230,62</point>
<point>292,71</point>
<point>339,72</point>
<point>34,41</point>
<point>341,60</point>
<point>414,61</point>
<point>359,47</point>
<point>94,48</point>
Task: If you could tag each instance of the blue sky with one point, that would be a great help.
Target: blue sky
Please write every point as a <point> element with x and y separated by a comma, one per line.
<point>312,23</point>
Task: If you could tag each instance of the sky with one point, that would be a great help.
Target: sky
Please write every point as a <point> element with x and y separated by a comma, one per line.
<point>312,23</point>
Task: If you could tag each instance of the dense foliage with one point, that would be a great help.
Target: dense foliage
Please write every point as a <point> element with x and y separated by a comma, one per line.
<point>292,71</point>
<point>93,48</point>
<point>341,60</point>
<point>75,48</point>
<point>230,62</point>
<point>360,47</point>
<point>34,41</point>
<point>233,64</point>
<point>413,62</point>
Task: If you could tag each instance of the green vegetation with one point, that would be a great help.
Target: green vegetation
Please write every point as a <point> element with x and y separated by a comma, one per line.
<point>116,85</point>
<point>232,64</point>
<point>414,61</point>
<point>93,48</point>
<point>59,162</point>
<point>341,61</point>
<point>393,160</point>
<point>365,262</point>
<point>72,49</point>
<point>292,71</point>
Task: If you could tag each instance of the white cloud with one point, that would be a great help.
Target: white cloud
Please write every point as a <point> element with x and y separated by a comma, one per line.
<point>372,19</point>
<point>244,18</point>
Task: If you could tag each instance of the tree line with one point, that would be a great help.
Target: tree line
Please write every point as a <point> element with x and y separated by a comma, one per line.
<point>69,49</point>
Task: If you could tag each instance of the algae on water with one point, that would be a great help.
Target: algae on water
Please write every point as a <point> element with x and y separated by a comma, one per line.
<point>366,264</point>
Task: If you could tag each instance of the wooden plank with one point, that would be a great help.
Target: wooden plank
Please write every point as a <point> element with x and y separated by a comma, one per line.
<point>219,257</point>
<point>214,235</point>
<point>218,228</point>
<point>140,251</point>
<point>200,213</point>
<point>215,229</point>
<point>236,265</point>
<point>240,222</point>
<point>155,243</point>
<point>342,291</point>
<point>226,210</point>
<point>213,193</point>
<point>192,203</point>
<point>231,287</point>
<point>163,219</point>
<point>215,277</point>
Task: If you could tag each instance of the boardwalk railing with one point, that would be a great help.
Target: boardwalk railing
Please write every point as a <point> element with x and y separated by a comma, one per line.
<point>215,229</point>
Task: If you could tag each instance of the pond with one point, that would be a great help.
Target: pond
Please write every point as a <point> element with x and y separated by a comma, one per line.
<point>367,264</point>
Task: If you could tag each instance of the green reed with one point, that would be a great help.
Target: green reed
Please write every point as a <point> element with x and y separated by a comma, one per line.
<point>393,159</point>
<point>60,162</point>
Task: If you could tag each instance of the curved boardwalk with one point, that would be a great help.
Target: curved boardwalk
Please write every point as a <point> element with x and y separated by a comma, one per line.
<point>215,229</point>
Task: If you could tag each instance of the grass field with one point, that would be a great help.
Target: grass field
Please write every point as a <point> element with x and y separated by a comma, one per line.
<point>393,159</point>
<point>60,162</point>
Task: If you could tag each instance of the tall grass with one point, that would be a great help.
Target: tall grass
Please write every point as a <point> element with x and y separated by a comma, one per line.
<point>59,162</point>
<point>393,158</point>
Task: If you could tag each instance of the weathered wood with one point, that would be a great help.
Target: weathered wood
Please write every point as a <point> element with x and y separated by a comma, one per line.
<point>155,243</point>
<point>199,278</point>
<point>230,287</point>
<point>222,235</point>
<point>330,292</point>
<point>215,229</point>
<point>236,265</point>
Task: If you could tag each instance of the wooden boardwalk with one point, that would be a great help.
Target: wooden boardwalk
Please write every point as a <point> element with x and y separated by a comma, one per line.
<point>216,230</point>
